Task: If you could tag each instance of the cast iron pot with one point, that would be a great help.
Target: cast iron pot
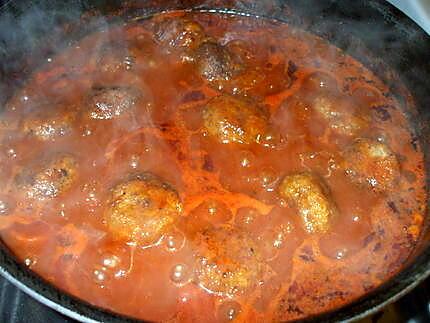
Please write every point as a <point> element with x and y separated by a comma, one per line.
<point>374,32</point>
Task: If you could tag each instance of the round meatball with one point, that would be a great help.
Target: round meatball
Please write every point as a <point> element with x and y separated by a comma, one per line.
<point>49,123</point>
<point>233,69</point>
<point>113,57</point>
<point>142,209</point>
<point>342,116</point>
<point>110,102</point>
<point>310,196</point>
<point>233,120</point>
<point>229,262</point>
<point>372,163</point>
<point>215,63</point>
<point>49,181</point>
<point>179,32</point>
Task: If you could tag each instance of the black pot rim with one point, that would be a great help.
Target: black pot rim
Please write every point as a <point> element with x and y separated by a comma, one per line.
<point>79,310</point>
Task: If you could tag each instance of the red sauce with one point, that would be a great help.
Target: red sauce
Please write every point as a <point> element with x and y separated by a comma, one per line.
<point>207,167</point>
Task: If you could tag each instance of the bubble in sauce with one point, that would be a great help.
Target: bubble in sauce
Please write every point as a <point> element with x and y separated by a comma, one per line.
<point>193,118</point>
<point>62,210</point>
<point>110,261</point>
<point>246,159</point>
<point>11,153</point>
<point>281,234</point>
<point>268,179</point>
<point>180,275</point>
<point>86,131</point>
<point>272,139</point>
<point>338,247</point>
<point>228,311</point>
<point>320,80</point>
<point>212,208</point>
<point>341,253</point>
<point>214,211</point>
<point>6,206</point>
<point>347,236</point>
<point>174,241</point>
<point>366,95</point>
<point>275,239</point>
<point>30,261</point>
<point>100,275</point>
<point>245,216</point>
<point>134,161</point>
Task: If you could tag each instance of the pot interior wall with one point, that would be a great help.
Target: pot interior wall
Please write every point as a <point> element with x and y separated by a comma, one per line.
<point>373,32</point>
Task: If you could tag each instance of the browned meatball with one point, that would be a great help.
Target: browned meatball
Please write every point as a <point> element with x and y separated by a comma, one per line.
<point>111,102</point>
<point>232,69</point>
<point>310,196</point>
<point>229,262</point>
<point>49,123</point>
<point>259,82</point>
<point>216,64</point>
<point>141,209</point>
<point>112,57</point>
<point>343,117</point>
<point>50,180</point>
<point>233,120</point>
<point>179,32</point>
<point>372,163</point>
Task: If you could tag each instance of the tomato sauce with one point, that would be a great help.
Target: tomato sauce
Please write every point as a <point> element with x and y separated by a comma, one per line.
<point>209,167</point>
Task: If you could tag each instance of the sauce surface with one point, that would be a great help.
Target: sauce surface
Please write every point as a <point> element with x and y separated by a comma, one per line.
<point>208,167</point>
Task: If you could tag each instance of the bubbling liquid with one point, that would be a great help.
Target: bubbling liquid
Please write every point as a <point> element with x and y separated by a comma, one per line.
<point>209,167</point>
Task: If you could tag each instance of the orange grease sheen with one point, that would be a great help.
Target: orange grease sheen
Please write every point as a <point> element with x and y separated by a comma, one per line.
<point>66,239</point>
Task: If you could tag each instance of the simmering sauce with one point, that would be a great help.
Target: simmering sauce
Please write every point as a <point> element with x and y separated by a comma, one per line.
<point>207,167</point>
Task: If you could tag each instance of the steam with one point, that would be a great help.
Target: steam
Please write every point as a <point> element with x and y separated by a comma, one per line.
<point>37,35</point>
<point>30,34</point>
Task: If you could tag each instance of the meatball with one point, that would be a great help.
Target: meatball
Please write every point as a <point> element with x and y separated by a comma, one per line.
<point>49,123</point>
<point>179,32</point>
<point>141,209</point>
<point>110,102</point>
<point>229,262</point>
<point>310,196</point>
<point>215,63</point>
<point>260,81</point>
<point>372,163</point>
<point>342,116</point>
<point>50,180</point>
<point>233,120</point>
<point>232,69</point>
<point>114,57</point>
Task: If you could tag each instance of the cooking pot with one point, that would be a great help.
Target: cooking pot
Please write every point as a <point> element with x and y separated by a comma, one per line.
<point>372,31</point>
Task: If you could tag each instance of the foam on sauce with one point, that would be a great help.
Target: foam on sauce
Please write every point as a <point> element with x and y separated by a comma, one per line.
<point>238,250</point>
